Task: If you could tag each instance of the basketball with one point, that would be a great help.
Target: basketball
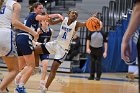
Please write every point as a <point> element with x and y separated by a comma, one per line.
<point>93,24</point>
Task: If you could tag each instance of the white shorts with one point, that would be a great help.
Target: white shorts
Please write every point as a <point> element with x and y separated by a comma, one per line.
<point>54,48</point>
<point>7,42</point>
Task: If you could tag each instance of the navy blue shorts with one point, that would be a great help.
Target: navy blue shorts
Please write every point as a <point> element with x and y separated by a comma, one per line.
<point>24,44</point>
<point>44,57</point>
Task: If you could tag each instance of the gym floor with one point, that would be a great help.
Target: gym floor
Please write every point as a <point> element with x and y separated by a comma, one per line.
<point>78,83</point>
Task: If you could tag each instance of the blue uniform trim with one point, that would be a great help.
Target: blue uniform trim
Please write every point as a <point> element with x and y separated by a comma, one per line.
<point>11,44</point>
<point>44,57</point>
<point>59,60</point>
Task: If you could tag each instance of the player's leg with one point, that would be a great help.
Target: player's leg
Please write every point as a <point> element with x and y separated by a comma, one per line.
<point>21,62</point>
<point>58,59</point>
<point>43,74</point>
<point>52,74</point>
<point>60,55</point>
<point>11,60</point>
<point>92,67</point>
<point>22,65</point>
<point>138,47</point>
<point>12,64</point>
<point>98,67</point>
<point>44,69</point>
<point>25,47</point>
<point>44,60</point>
<point>39,50</point>
<point>27,71</point>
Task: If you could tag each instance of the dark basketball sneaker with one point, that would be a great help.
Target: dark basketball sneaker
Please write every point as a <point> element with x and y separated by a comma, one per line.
<point>98,79</point>
<point>91,78</point>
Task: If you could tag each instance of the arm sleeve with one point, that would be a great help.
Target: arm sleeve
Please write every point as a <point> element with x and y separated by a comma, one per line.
<point>89,36</point>
<point>105,36</point>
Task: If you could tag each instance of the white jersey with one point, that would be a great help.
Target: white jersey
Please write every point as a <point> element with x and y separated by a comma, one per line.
<point>7,36</point>
<point>6,14</point>
<point>66,33</point>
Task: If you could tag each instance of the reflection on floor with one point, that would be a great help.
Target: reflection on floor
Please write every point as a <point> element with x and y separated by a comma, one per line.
<point>78,83</point>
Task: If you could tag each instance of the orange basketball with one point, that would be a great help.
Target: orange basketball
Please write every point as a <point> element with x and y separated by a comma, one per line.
<point>93,24</point>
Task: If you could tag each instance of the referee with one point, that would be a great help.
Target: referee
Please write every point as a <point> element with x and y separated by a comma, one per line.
<point>95,42</point>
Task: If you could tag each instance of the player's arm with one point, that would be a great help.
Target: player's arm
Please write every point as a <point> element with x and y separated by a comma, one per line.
<point>56,21</point>
<point>42,17</point>
<point>133,25</point>
<point>59,18</point>
<point>88,43</point>
<point>79,25</point>
<point>52,31</point>
<point>105,40</point>
<point>47,17</point>
<point>105,49</point>
<point>16,23</point>
<point>56,16</point>
<point>134,22</point>
<point>88,46</point>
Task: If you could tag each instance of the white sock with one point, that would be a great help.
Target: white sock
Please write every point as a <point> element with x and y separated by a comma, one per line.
<point>42,84</point>
<point>17,77</point>
<point>21,84</point>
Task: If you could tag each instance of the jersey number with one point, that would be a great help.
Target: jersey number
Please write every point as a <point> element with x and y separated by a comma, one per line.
<point>64,35</point>
<point>2,10</point>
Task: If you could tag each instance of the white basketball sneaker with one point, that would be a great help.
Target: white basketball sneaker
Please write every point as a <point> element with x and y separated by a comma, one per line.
<point>43,89</point>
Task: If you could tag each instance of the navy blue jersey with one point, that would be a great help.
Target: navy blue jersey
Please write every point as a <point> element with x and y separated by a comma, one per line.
<point>24,39</point>
<point>31,22</point>
<point>45,37</point>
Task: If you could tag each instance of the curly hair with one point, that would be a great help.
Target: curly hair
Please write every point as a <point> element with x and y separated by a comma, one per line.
<point>72,10</point>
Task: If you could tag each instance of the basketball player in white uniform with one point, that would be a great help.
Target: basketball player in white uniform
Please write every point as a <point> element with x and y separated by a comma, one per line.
<point>60,46</point>
<point>9,15</point>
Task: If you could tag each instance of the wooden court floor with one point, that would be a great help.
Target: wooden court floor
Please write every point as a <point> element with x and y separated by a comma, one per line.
<point>78,83</point>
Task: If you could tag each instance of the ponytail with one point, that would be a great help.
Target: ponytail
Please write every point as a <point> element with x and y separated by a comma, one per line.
<point>35,5</point>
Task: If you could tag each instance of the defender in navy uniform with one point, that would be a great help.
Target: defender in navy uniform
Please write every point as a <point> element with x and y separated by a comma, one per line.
<point>44,38</point>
